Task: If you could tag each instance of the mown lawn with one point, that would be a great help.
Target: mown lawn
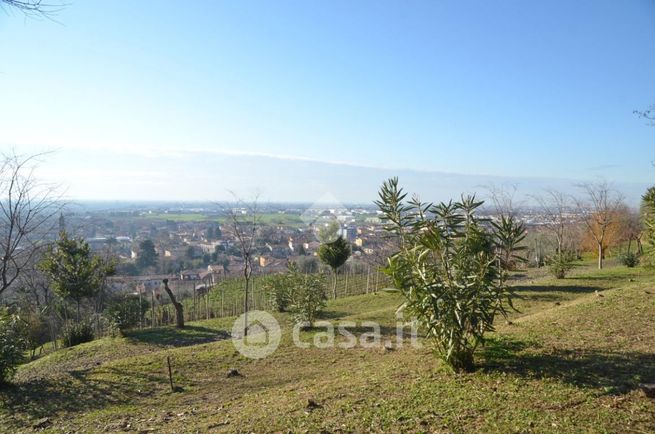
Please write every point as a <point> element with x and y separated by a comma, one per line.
<point>571,360</point>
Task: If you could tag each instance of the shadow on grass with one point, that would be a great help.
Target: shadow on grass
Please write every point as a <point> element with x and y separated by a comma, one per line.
<point>556,288</point>
<point>605,277</point>
<point>608,371</point>
<point>173,337</point>
<point>74,392</point>
<point>332,314</point>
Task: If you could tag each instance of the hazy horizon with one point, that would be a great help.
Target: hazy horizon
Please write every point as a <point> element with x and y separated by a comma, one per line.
<point>305,182</point>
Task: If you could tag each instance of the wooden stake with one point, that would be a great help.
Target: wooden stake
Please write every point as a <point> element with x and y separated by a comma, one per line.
<point>170,373</point>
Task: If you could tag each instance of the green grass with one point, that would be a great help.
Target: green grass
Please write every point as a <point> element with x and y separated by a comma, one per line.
<point>570,360</point>
<point>227,297</point>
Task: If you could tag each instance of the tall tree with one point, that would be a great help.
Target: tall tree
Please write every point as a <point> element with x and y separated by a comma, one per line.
<point>556,207</point>
<point>245,222</point>
<point>503,199</point>
<point>147,254</point>
<point>334,254</point>
<point>27,211</point>
<point>75,272</point>
<point>599,210</point>
<point>62,222</point>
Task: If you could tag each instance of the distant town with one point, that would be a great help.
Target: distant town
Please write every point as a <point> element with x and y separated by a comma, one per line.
<point>196,243</point>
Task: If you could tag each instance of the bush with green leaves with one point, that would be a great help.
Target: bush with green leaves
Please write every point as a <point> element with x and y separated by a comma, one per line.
<point>629,259</point>
<point>561,263</point>
<point>279,289</point>
<point>302,294</point>
<point>126,311</point>
<point>308,296</point>
<point>447,268</point>
<point>37,332</point>
<point>509,234</point>
<point>77,333</point>
<point>12,344</point>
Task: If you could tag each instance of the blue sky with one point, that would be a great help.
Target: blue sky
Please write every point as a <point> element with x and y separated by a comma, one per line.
<point>157,100</point>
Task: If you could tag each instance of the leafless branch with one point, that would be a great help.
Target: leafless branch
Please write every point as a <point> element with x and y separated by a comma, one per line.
<point>599,210</point>
<point>27,211</point>
<point>503,199</point>
<point>35,8</point>
<point>556,208</point>
<point>245,229</point>
<point>648,114</point>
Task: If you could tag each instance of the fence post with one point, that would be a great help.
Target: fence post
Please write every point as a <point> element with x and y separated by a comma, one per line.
<point>152,308</point>
<point>368,276</point>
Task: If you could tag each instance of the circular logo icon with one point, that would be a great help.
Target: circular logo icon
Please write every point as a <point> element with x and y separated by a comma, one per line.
<point>322,219</point>
<point>262,338</point>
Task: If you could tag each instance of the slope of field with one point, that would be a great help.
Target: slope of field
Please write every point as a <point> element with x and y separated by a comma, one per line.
<point>571,360</point>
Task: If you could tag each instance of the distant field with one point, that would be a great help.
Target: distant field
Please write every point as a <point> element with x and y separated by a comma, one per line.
<point>266,219</point>
<point>571,360</point>
<point>188,217</point>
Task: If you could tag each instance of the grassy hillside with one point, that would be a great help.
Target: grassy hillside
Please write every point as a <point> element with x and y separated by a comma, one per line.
<point>570,361</point>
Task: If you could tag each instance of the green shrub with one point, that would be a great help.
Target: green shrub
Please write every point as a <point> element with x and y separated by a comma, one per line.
<point>448,270</point>
<point>77,333</point>
<point>509,234</point>
<point>308,296</point>
<point>12,345</point>
<point>279,288</point>
<point>36,330</point>
<point>629,259</point>
<point>560,264</point>
<point>303,295</point>
<point>126,311</point>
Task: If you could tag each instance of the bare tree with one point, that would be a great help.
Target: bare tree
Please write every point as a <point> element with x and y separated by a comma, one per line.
<point>27,211</point>
<point>510,231</point>
<point>599,212</point>
<point>179,308</point>
<point>556,207</point>
<point>34,284</point>
<point>245,222</point>
<point>34,7</point>
<point>503,199</point>
<point>632,229</point>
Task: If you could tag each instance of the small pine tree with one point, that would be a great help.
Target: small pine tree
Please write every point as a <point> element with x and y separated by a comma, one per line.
<point>76,273</point>
<point>335,254</point>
